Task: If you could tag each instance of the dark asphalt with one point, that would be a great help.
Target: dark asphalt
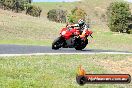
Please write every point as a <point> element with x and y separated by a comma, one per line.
<point>28,49</point>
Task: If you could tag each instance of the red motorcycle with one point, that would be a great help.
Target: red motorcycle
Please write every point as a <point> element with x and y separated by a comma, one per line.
<point>69,38</point>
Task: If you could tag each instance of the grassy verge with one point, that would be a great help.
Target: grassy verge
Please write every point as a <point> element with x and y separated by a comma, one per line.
<point>104,39</point>
<point>27,42</point>
<point>55,71</point>
<point>46,6</point>
<point>18,28</point>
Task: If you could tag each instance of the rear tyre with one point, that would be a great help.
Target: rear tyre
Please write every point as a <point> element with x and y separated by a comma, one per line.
<point>82,45</point>
<point>57,43</point>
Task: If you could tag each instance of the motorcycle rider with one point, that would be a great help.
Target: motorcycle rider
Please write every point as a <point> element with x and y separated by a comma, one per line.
<point>82,26</point>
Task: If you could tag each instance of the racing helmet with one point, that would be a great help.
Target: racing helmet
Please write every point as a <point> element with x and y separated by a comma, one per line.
<point>81,22</point>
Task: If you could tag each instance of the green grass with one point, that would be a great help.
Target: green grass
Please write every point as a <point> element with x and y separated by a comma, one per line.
<point>104,39</point>
<point>27,42</point>
<point>46,6</point>
<point>22,29</point>
<point>18,28</point>
<point>54,71</point>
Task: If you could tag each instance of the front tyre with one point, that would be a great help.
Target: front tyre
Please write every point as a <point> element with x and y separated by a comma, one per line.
<point>57,43</point>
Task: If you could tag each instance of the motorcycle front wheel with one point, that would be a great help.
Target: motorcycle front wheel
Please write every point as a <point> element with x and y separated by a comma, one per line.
<point>56,43</point>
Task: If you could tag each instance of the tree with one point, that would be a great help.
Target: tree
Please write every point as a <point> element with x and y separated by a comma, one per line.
<point>34,11</point>
<point>1,3</point>
<point>76,13</point>
<point>30,1</point>
<point>118,14</point>
<point>57,15</point>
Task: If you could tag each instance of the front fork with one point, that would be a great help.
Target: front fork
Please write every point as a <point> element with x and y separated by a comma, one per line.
<point>63,41</point>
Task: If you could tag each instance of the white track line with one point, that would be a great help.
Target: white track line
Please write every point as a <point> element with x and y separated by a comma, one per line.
<point>37,54</point>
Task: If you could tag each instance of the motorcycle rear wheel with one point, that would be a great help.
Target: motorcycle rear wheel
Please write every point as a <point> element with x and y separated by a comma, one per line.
<point>81,46</point>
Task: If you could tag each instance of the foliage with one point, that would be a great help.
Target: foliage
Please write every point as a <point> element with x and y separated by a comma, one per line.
<point>130,31</point>
<point>21,5</point>
<point>76,13</point>
<point>118,14</point>
<point>57,15</point>
<point>13,4</point>
<point>33,10</point>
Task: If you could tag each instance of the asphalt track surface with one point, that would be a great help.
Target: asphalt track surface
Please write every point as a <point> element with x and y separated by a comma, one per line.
<point>13,50</point>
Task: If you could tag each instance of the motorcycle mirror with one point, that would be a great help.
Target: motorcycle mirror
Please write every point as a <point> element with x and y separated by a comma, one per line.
<point>91,36</point>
